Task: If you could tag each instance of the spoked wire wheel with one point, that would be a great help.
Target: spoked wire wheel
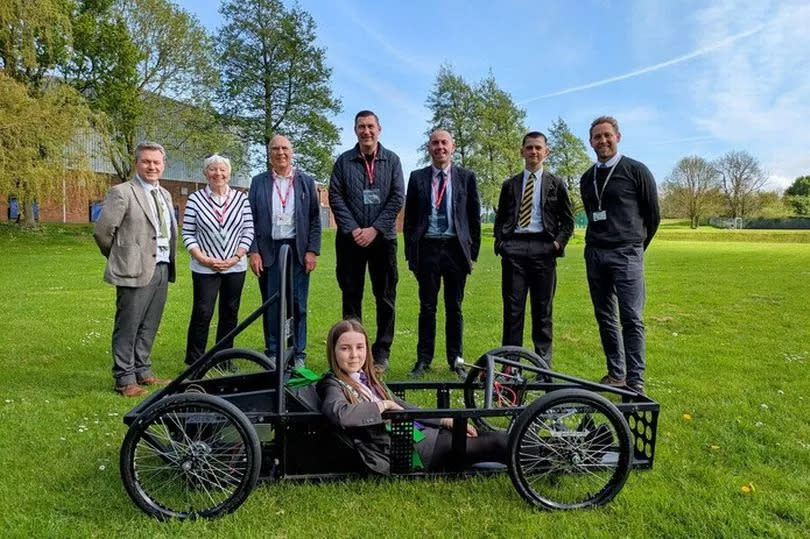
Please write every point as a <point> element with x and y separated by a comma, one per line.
<point>233,362</point>
<point>508,384</point>
<point>569,449</point>
<point>189,456</point>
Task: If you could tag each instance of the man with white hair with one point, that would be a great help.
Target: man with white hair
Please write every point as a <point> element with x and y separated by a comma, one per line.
<point>137,233</point>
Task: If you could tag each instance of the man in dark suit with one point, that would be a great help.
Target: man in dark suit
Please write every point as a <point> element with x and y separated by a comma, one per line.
<point>533,224</point>
<point>442,238</point>
<point>137,233</point>
<point>286,211</point>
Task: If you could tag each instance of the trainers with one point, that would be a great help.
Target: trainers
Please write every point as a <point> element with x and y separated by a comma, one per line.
<point>609,380</point>
<point>131,390</point>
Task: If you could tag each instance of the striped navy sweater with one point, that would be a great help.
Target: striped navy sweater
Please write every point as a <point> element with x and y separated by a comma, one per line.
<point>218,229</point>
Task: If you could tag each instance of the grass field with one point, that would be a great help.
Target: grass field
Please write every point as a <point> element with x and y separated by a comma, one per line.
<point>728,325</point>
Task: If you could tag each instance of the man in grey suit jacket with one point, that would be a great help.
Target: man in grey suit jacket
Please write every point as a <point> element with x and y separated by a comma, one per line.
<point>442,237</point>
<point>136,232</point>
<point>285,210</point>
<point>533,224</point>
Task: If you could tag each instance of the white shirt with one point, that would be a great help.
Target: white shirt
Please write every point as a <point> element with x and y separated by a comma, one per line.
<point>435,190</point>
<point>283,215</point>
<point>536,223</point>
<point>162,254</point>
<point>610,162</point>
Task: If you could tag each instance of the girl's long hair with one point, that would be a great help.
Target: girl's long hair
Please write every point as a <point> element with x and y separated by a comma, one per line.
<point>339,329</point>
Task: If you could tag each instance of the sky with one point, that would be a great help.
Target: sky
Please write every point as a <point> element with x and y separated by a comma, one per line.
<point>682,78</point>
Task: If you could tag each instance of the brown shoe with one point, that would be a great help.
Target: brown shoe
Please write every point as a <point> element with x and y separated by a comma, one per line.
<point>154,381</point>
<point>638,387</point>
<point>609,380</point>
<point>131,390</point>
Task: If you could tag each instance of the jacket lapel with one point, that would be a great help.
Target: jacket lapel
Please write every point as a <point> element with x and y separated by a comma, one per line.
<point>545,186</point>
<point>145,204</point>
<point>267,189</point>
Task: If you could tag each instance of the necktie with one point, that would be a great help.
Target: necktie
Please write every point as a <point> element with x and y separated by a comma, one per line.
<point>526,203</point>
<point>164,230</point>
<point>441,192</point>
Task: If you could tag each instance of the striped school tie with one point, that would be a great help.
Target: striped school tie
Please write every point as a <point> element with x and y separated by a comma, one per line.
<point>526,203</point>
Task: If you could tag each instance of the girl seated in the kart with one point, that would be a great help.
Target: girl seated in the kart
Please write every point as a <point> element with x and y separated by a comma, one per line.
<point>353,398</point>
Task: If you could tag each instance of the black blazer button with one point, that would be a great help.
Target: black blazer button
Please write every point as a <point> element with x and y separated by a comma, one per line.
<point>154,256</point>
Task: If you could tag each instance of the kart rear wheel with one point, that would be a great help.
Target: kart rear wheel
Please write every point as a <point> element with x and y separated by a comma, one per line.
<point>190,456</point>
<point>508,381</point>
<point>233,362</point>
<point>569,449</point>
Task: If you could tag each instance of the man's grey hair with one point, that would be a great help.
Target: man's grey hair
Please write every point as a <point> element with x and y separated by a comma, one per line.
<point>149,146</point>
<point>604,120</point>
<point>216,159</point>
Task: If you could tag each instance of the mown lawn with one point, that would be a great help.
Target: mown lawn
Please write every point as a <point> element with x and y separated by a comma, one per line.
<point>728,320</point>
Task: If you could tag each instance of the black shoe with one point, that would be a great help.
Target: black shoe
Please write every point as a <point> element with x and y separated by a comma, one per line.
<point>460,371</point>
<point>638,387</point>
<point>419,369</point>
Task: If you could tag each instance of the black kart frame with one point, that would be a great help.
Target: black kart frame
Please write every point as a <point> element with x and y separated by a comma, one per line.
<point>197,447</point>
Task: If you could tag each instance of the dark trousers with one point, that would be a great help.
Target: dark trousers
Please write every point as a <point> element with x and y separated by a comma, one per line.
<point>381,258</point>
<point>616,279</point>
<point>440,260</point>
<point>138,311</point>
<point>488,446</point>
<point>529,266</point>
<point>206,288</point>
<point>269,284</point>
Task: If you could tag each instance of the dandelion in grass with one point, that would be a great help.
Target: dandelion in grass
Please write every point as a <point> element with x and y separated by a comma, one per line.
<point>687,417</point>
<point>748,488</point>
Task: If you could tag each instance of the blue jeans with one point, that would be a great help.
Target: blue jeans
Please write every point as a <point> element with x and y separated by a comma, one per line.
<point>269,283</point>
<point>616,276</point>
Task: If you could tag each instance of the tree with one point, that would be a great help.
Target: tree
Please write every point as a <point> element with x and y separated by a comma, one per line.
<point>36,135</point>
<point>567,158</point>
<point>499,131</point>
<point>798,195</point>
<point>740,179</point>
<point>486,126</point>
<point>34,37</point>
<point>275,80</point>
<point>148,67</point>
<point>691,187</point>
<point>454,104</point>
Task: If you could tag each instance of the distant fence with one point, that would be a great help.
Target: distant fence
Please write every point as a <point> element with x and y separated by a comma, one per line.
<point>785,223</point>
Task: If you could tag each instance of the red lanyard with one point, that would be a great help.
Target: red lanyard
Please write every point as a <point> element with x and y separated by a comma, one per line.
<point>370,166</point>
<point>439,195</point>
<point>286,197</point>
<point>220,214</point>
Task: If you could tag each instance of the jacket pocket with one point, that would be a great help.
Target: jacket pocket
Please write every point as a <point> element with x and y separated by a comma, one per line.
<point>125,261</point>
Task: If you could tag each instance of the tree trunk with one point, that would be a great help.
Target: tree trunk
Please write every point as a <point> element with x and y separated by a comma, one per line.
<point>27,210</point>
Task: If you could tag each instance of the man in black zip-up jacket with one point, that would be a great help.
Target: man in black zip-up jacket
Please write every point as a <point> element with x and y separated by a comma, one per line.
<point>366,192</point>
<point>621,203</point>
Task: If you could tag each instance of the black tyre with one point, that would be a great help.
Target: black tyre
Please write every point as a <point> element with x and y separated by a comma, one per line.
<point>569,449</point>
<point>509,384</point>
<point>233,362</point>
<point>190,456</point>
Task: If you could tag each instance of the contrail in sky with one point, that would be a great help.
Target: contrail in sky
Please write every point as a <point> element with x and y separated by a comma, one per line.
<point>648,69</point>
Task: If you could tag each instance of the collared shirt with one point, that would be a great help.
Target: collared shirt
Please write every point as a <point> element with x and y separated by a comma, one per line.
<point>536,223</point>
<point>610,162</point>
<point>436,190</point>
<point>283,214</point>
<point>162,254</point>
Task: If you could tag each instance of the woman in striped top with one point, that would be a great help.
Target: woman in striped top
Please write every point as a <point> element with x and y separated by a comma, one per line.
<point>217,231</point>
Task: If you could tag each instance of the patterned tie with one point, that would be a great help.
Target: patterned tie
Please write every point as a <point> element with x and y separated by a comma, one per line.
<point>443,204</point>
<point>164,230</point>
<point>526,203</point>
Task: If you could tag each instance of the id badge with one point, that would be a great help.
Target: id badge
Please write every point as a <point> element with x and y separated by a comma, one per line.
<point>599,216</point>
<point>284,219</point>
<point>371,196</point>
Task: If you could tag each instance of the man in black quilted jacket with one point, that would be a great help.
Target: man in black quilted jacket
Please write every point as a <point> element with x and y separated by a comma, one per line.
<point>366,192</point>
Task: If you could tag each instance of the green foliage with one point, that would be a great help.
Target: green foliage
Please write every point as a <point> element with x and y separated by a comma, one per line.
<point>61,424</point>
<point>36,135</point>
<point>275,80</point>
<point>567,158</point>
<point>34,38</point>
<point>799,187</point>
<point>800,204</point>
<point>486,125</point>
